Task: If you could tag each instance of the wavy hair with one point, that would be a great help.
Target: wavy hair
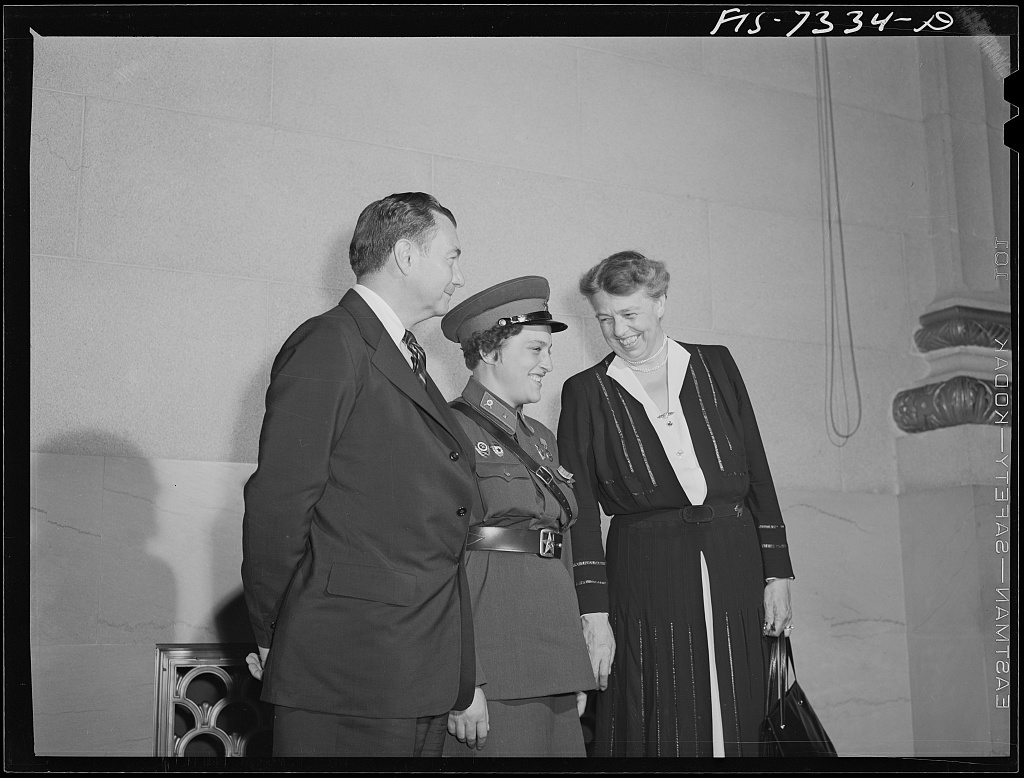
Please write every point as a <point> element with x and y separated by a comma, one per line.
<point>623,273</point>
<point>409,215</point>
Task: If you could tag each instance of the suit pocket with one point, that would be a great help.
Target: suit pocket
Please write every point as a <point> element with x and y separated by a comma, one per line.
<point>372,583</point>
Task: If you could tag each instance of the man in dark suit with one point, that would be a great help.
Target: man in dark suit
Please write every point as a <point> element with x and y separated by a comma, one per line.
<point>357,513</point>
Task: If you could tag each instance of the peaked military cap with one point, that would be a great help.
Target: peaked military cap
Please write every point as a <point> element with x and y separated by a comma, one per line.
<point>516,301</point>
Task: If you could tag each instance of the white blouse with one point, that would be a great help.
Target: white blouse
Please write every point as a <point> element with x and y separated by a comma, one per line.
<point>672,430</point>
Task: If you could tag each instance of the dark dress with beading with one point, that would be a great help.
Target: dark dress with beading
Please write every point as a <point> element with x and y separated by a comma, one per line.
<point>658,702</point>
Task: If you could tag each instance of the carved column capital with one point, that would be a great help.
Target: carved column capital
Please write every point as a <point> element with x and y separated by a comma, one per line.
<point>960,325</point>
<point>960,400</point>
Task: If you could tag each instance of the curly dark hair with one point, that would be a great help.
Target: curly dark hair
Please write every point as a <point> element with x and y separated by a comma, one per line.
<point>486,341</point>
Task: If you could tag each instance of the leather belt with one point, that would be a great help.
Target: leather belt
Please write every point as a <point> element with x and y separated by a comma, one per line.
<point>701,514</point>
<point>543,542</point>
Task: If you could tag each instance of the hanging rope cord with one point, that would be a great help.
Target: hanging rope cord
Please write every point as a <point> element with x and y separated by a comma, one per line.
<point>837,300</point>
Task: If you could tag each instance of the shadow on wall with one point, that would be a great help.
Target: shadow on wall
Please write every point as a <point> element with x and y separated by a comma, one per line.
<point>115,550</point>
<point>231,620</point>
<point>102,574</point>
<point>89,442</point>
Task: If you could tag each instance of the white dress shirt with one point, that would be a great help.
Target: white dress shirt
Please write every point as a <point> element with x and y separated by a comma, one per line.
<point>387,317</point>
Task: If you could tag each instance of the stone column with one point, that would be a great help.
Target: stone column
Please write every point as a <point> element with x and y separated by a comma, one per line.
<point>953,465</point>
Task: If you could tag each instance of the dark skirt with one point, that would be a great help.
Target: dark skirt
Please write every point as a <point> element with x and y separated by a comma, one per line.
<point>658,701</point>
<point>538,726</point>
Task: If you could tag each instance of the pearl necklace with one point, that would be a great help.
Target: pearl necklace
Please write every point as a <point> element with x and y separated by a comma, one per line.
<point>632,366</point>
<point>652,356</point>
<point>658,366</point>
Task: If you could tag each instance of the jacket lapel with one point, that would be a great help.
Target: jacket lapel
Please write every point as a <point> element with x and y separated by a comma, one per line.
<point>693,416</point>
<point>453,426</point>
<point>699,415</point>
<point>389,360</point>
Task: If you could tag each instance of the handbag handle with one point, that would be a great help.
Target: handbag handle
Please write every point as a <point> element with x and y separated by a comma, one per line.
<point>778,674</point>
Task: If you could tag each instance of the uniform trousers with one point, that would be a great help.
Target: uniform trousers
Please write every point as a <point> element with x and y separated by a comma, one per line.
<point>300,732</point>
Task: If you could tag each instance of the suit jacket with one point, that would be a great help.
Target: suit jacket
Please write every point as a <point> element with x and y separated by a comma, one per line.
<point>354,528</point>
<point>607,441</point>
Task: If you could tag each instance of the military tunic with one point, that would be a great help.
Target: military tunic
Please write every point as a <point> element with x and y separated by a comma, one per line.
<point>529,640</point>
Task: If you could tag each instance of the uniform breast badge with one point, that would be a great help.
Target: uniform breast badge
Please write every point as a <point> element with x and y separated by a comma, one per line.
<point>542,449</point>
<point>482,449</point>
<point>498,450</point>
<point>566,475</point>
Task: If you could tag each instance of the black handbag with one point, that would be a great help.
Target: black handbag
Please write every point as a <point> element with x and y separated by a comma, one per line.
<point>790,726</point>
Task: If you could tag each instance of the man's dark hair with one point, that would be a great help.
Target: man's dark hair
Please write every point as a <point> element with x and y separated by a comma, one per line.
<point>383,223</point>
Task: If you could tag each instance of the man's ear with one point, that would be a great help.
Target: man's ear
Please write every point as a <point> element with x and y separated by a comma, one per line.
<point>403,254</point>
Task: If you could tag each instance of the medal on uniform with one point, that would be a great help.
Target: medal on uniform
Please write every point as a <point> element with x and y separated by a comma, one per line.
<point>498,450</point>
<point>542,449</point>
<point>482,450</point>
<point>569,478</point>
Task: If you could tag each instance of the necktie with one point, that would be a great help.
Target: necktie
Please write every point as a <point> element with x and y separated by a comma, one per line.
<point>419,356</point>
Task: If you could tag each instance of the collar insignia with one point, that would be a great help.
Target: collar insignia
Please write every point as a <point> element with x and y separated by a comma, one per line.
<point>497,410</point>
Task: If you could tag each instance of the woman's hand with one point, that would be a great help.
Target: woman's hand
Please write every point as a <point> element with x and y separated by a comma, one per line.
<point>470,726</point>
<point>256,661</point>
<point>778,614</point>
<point>581,703</point>
<point>601,645</point>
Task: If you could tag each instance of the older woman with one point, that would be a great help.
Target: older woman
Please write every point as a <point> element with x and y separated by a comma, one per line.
<point>661,435</point>
<point>529,642</point>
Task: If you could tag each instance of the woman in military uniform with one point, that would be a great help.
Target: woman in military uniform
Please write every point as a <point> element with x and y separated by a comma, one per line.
<point>531,653</point>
